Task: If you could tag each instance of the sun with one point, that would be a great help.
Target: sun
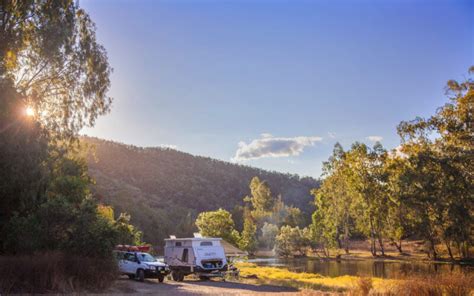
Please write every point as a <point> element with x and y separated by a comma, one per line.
<point>30,111</point>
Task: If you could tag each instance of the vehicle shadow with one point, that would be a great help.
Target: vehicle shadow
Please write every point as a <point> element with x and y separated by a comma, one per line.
<point>242,286</point>
<point>124,285</point>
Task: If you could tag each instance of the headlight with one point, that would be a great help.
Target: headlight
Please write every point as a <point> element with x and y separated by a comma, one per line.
<point>151,267</point>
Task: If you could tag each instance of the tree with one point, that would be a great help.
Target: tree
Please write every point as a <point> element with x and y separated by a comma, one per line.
<point>332,219</point>
<point>292,241</point>
<point>248,237</point>
<point>48,49</point>
<point>367,184</point>
<point>440,154</point>
<point>67,220</point>
<point>49,61</point>
<point>261,199</point>
<point>217,224</point>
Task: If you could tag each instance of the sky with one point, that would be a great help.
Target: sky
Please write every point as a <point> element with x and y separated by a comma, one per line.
<point>275,84</point>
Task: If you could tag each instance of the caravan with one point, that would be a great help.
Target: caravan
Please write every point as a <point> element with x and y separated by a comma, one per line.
<point>203,256</point>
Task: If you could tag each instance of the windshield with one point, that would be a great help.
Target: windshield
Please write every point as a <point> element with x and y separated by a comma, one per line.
<point>145,257</point>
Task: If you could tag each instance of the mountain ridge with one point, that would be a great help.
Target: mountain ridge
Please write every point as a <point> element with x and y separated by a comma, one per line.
<point>164,189</point>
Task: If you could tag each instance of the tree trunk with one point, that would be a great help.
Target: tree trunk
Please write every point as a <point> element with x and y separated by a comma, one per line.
<point>373,248</point>
<point>397,245</point>
<point>448,246</point>
<point>433,249</point>
<point>381,245</point>
<point>346,237</point>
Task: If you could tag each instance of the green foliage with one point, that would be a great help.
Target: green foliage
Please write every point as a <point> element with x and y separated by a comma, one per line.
<point>261,200</point>
<point>438,154</point>
<point>68,220</point>
<point>292,241</point>
<point>217,224</point>
<point>127,233</point>
<point>50,50</point>
<point>334,218</point>
<point>248,237</point>
<point>424,188</point>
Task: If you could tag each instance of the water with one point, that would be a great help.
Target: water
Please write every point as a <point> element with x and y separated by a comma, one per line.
<point>372,268</point>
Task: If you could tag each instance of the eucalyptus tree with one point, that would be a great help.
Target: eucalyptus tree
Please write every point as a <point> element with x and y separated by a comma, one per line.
<point>51,65</point>
<point>440,150</point>
<point>49,51</point>
<point>332,218</point>
<point>367,185</point>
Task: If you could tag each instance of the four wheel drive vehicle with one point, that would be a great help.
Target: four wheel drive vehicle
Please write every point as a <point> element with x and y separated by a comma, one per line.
<point>141,265</point>
<point>203,256</point>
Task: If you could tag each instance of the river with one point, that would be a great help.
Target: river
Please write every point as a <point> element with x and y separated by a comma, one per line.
<point>372,268</point>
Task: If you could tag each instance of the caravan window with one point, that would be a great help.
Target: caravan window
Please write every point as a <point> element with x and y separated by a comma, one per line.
<point>206,244</point>
<point>178,244</point>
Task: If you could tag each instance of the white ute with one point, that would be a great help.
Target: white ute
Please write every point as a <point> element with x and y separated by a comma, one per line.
<point>141,265</point>
<point>203,256</point>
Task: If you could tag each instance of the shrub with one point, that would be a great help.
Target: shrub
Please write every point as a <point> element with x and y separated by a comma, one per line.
<point>55,272</point>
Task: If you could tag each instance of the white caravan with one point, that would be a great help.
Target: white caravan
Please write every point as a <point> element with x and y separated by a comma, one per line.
<point>203,256</point>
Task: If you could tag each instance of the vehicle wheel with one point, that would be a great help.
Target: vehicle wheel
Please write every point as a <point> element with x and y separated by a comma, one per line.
<point>131,276</point>
<point>175,276</point>
<point>181,277</point>
<point>204,278</point>
<point>161,278</point>
<point>141,275</point>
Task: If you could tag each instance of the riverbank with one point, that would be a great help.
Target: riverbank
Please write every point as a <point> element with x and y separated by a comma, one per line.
<point>413,251</point>
<point>448,284</point>
<point>252,273</point>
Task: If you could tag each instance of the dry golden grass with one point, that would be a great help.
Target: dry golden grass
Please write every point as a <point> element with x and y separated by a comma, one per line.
<point>54,272</point>
<point>454,284</point>
<point>283,276</point>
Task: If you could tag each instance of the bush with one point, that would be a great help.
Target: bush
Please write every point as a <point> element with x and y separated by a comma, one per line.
<point>55,272</point>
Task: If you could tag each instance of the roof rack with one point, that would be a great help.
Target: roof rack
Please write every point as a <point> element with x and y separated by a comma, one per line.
<point>129,248</point>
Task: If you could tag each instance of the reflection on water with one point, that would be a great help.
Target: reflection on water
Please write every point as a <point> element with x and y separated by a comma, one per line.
<point>360,267</point>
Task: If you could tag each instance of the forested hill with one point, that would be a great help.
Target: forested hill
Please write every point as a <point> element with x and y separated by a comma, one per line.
<point>164,189</point>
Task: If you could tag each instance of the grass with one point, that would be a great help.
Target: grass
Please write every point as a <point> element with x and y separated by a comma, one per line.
<point>282,276</point>
<point>454,284</point>
<point>55,272</point>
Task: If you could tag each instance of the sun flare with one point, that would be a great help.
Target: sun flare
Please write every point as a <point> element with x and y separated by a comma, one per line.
<point>29,111</point>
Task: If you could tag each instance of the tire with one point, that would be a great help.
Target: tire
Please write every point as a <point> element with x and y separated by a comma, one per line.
<point>161,278</point>
<point>204,278</point>
<point>181,277</point>
<point>140,275</point>
<point>175,276</point>
<point>131,276</point>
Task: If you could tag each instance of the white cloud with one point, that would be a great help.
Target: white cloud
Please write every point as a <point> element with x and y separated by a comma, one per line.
<point>332,135</point>
<point>375,138</point>
<point>269,146</point>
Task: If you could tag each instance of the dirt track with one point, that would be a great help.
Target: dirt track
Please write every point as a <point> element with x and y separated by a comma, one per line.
<point>125,286</point>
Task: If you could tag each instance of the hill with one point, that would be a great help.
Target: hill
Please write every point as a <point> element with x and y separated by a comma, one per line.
<point>164,189</point>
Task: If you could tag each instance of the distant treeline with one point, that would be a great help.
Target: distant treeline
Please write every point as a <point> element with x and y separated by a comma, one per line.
<point>164,190</point>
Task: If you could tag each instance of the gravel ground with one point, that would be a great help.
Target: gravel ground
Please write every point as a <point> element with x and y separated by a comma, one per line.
<point>125,286</point>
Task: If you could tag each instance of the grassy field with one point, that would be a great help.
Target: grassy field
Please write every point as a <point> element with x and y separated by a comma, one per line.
<point>282,276</point>
<point>456,284</point>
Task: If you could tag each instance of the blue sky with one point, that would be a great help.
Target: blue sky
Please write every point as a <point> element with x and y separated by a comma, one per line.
<point>274,84</point>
